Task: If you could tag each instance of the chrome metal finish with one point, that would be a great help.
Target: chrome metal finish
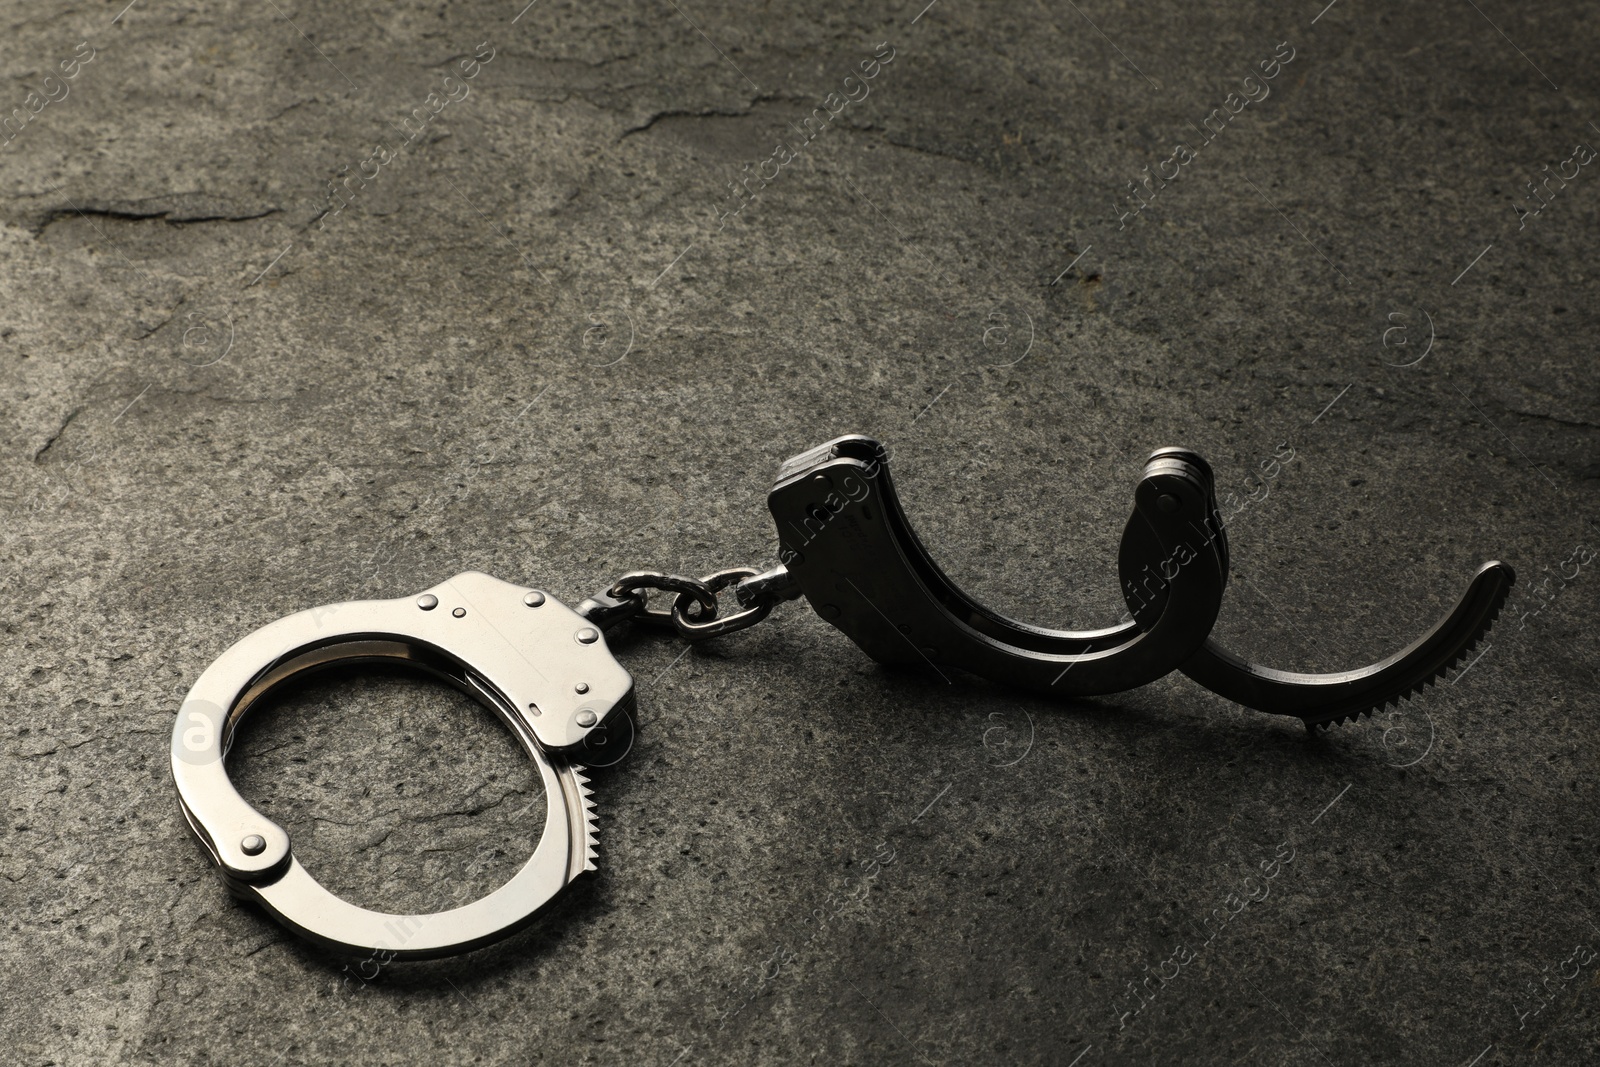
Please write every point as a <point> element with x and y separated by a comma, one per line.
<point>642,581</point>
<point>695,613</point>
<point>769,587</point>
<point>847,546</point>
<point>605,610</point>
<point>708,624</point>
<point>521,664</point>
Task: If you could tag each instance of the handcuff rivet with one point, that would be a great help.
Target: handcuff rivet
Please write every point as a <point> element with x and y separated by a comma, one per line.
<point>482,654</point>
<point>460,613</point>
<point>588,635</point>
<point>587,718</point>
<point>1167,503</point>
<point>533,599</point>
<point>581,687</point>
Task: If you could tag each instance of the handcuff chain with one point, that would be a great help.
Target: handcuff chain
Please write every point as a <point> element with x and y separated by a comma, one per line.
<point>695,612</point>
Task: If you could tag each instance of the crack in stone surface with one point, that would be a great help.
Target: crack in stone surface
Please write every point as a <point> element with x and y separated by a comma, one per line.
<point>167,209</point>
<point>50,442</point>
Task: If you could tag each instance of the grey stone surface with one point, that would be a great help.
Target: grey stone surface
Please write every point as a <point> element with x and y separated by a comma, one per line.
<point>529,346</point>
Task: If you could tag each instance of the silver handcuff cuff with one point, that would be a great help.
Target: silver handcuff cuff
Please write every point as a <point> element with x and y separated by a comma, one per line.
<point>846,546</point>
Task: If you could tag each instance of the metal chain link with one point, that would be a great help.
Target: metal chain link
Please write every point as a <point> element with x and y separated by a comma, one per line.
<point>706,623</point>
<point>640,582</point>
<point>695,612</point>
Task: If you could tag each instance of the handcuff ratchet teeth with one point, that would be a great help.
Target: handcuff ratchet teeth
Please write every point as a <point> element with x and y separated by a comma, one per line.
<point>1321,700</point>
<point>844,536</point>
<point>847,547</point>
<point>541,667</point>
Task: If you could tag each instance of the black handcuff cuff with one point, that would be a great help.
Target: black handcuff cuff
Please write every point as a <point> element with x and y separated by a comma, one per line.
<point>845,546</point>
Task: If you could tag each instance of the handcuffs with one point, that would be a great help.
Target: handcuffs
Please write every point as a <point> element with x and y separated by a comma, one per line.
<point>846,546</point>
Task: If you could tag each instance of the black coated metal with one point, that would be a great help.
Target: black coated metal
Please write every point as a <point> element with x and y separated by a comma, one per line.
<point>844,540</point>
<point>1322,699</point>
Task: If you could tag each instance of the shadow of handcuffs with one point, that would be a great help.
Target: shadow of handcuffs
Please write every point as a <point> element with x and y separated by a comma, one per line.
<point>845,545</point>
<point>849,549</point>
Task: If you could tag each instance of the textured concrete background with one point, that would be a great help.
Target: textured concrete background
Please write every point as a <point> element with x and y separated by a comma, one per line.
<point>533,345</point>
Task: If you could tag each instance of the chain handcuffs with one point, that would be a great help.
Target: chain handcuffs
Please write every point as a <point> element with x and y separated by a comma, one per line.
<point>846,546</point>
